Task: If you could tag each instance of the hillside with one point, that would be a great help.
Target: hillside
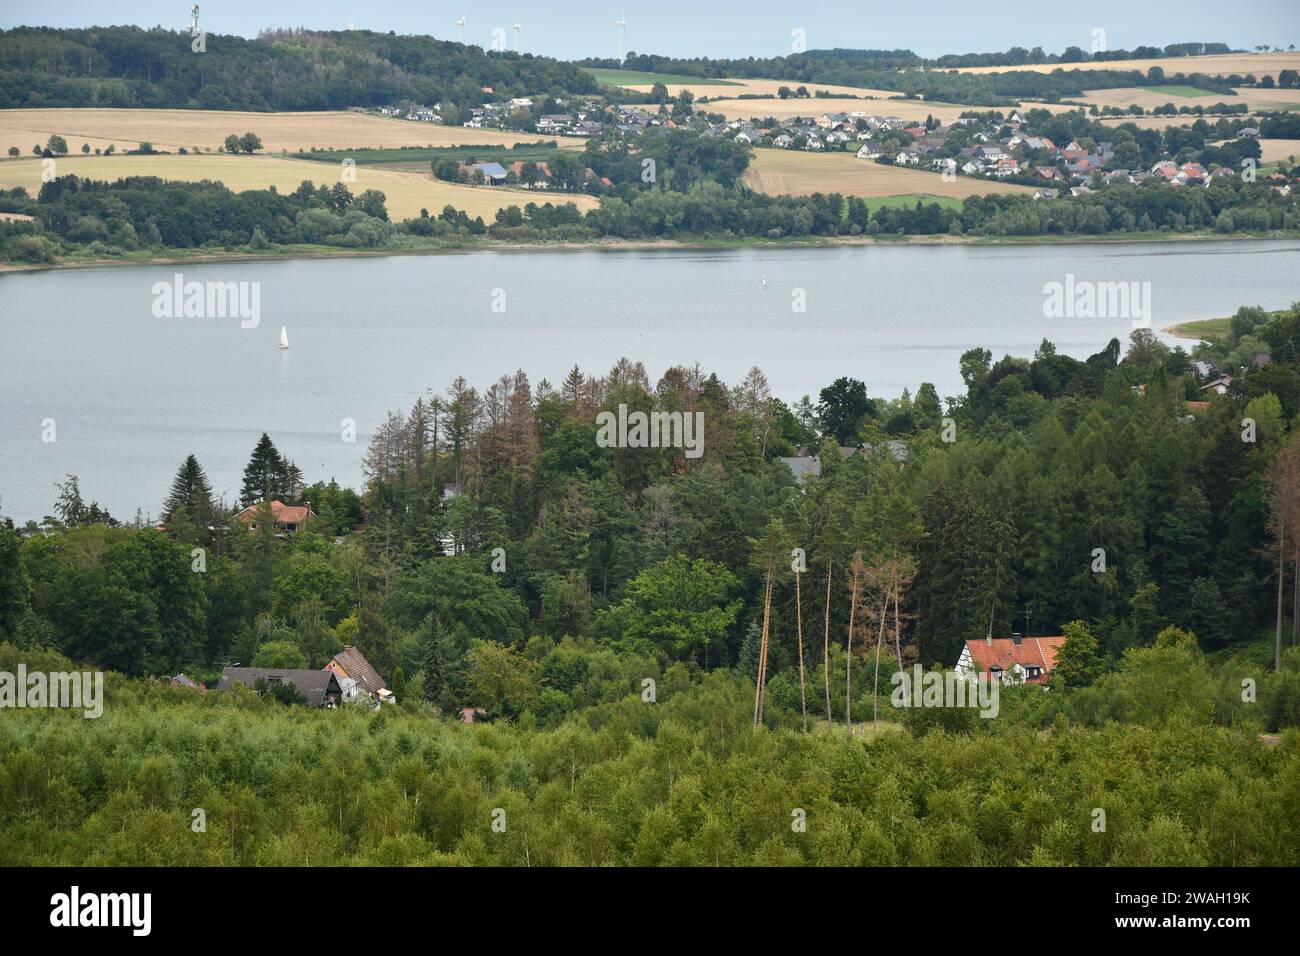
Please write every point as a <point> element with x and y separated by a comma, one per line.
<point>280,70</point>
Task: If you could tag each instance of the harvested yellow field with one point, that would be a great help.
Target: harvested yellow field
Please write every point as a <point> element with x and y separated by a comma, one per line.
<point>1277,150</point>
<point>1155,122</point>
<point>798,173</point>
<point>14,217</point>
<point>1270,99</point>
<point>1260,64</point>
<point>1149,99</point>
<point>880,105</point>
<point>172,129</point>
<point>407,192</point>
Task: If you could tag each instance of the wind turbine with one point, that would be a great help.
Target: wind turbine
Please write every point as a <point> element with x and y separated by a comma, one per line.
<point>621,23</point>
<point>518,27</point>
<point>460,29</point>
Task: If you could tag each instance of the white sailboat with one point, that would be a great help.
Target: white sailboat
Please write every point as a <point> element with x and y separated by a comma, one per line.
<point>284,337</point>
<point>764,280</point>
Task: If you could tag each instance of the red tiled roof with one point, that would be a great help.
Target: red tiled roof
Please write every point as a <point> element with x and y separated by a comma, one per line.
<point>283,514</point>
<point>518,168</point>
<point>1004,652</point>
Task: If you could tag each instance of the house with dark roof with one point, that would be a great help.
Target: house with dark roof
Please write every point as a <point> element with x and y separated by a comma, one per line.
<point>804,466</point>
<point>1013,660</point>
<point>319,688</point>
<point>351,664</point>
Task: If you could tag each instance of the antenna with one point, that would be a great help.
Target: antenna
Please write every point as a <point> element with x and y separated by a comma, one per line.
<point>460,29</point>
<point>194,20</point>
<point>518,27</point>
<point>621,23</point>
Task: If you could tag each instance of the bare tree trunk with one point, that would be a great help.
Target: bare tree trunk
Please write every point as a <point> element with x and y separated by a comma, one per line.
<point>848,657</point>
<point>898,644</point>
<point>798,616</point>
<point>762,650</point>
<point>880,639</point>
<point>1281,575</point>
<point>1295,598</point>
<point>767,643</point>
<point>826,648</point>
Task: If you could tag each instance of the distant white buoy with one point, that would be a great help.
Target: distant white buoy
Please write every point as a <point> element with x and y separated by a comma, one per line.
<point>284,337</point>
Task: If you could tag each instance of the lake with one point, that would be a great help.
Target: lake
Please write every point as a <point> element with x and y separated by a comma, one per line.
<point>131,393</point>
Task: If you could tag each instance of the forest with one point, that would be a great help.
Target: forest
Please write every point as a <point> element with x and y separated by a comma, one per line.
<point>127,67</point>
<point>667,651</point>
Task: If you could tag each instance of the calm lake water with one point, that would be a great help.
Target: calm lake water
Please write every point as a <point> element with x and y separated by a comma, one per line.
<point>132,394</point>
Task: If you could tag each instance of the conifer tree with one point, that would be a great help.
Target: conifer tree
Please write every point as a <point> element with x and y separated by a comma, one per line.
<point>434,681</point>
<point>190,500</point>
<point>266,474</point>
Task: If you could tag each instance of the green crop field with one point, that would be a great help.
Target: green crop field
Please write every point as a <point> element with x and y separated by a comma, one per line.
<point>636,78</point>
<point>911,199</point>
<point>1181,89</point>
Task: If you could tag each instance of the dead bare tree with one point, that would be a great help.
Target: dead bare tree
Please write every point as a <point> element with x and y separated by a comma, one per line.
<point>761,689</point>
<point>798,617</point>
<point>855,570</point>
<point>880,639</point>
<point>826,648</point>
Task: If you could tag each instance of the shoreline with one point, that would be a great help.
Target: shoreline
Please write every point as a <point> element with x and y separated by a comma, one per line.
<point>325,252</point>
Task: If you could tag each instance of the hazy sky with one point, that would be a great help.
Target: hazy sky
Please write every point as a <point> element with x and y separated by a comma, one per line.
<point>572,29</point>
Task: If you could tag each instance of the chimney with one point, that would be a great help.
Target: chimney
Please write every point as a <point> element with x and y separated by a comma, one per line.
<point>1016,638</point>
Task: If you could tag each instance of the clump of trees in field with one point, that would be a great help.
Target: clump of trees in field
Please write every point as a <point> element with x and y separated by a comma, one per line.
<point>248,143</point>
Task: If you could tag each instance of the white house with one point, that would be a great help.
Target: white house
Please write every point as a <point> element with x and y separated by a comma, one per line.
<point>1014,660</point>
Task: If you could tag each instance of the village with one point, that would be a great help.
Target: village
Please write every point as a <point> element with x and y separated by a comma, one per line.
<point>980,144</point>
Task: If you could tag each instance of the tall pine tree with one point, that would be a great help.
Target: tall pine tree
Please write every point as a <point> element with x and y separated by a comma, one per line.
<point>266,477</point>
<point>191,493</point>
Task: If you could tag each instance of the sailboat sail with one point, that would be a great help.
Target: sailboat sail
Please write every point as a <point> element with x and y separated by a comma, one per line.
<point>284,337</point>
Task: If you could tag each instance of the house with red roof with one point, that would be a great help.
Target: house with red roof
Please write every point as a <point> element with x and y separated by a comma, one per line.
<point>543,169</point>
<point>288,518</point>
<point>1013,660</point>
